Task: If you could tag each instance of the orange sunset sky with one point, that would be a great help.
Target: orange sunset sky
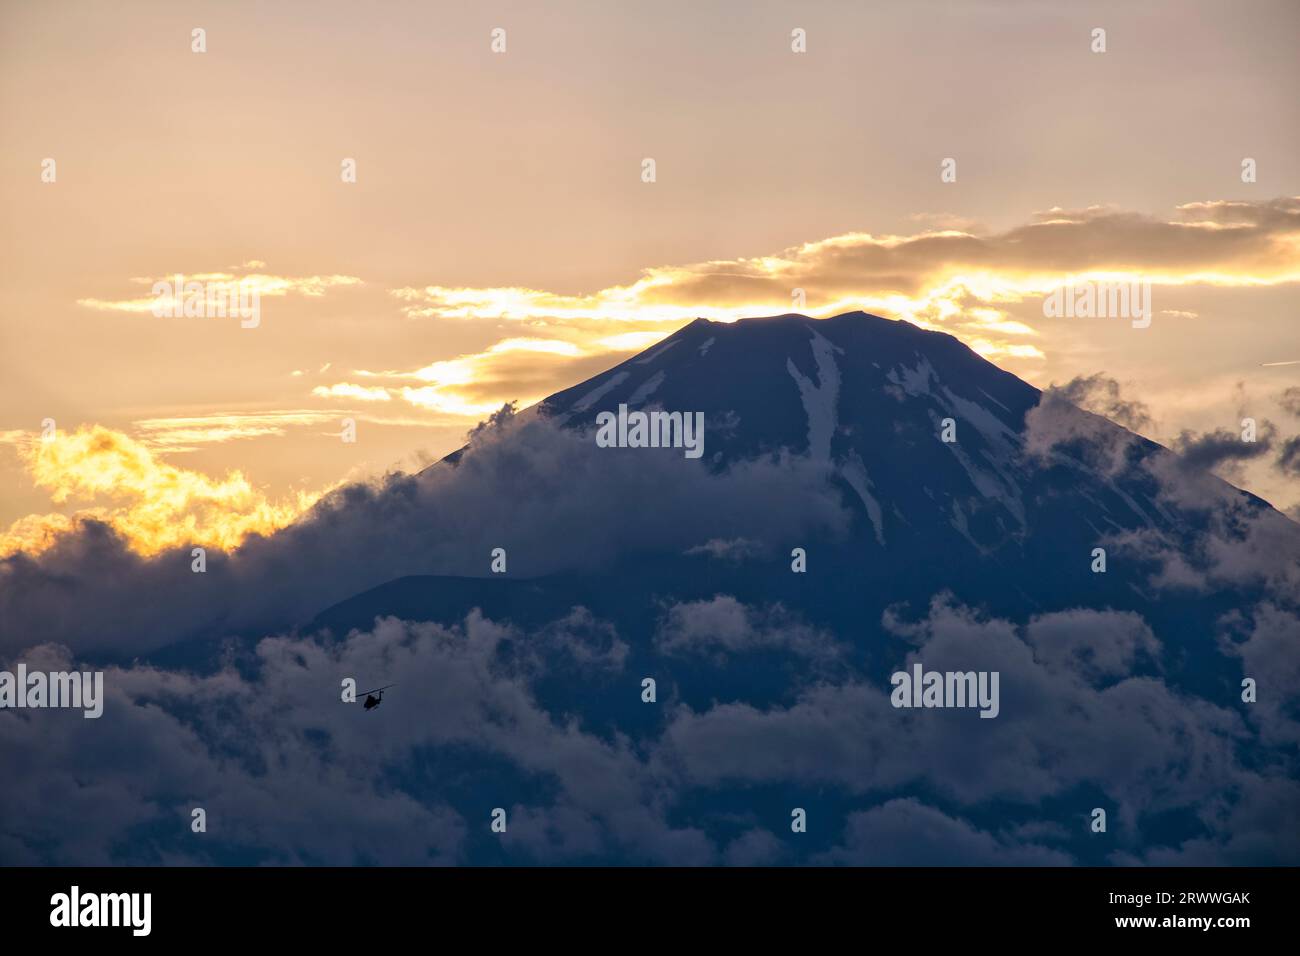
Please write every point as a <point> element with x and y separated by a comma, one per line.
<point>499,242</point>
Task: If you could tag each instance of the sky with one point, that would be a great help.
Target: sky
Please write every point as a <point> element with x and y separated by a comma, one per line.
<point>501,241</point>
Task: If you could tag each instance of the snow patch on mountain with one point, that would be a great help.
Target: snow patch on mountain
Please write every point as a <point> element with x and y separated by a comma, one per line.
<point>985,482</point>
<point>997,478</point>
<point>994,400</point>
<point>958,521</point>
<point>855,473</point>
<point>1109,482</point>
<point>647,388</point>
<point>704,349</point>
<point>914,381</point>
<point>1001,436</point>
<point>1002,440</point>
<point>599,392</point>
<point>996,484</point>
<point>654,353</point>
<point>819,401</point>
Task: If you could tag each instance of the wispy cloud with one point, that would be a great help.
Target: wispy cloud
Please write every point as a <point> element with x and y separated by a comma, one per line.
<point>260,283</point>
<point>518,368</point>
<point>184,433</point>
<point>361,393</point>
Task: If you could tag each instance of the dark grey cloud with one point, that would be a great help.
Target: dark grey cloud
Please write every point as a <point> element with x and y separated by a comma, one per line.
<point>1102,395</point>
<point>1210,450</point>
<point>755,848</point>
<point>1196,531</point>
<point>732,550</point>
<point>722,626</point>
<point>169,741</point>
<point>1262,823</point>
<point>1095,644</point>
<point>1231,540</point>
<point>1288,457</point>
<point>1059,432</point>
<point>548,495</point>
<point>1067,720</point>
<point>583,638</point>
<point>281,764</point>
<point>906,832</point>
<point>1266,638</point>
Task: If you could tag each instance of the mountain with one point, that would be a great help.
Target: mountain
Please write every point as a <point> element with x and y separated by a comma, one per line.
<point>1121,686</point>
<point>1005,517</point>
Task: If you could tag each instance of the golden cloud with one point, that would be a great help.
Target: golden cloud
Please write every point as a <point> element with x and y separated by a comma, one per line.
<point>151,504</point>
<point>520,368</point>
<point>186,433</point>
<point>941,278</point>
<point>363,393</point>
<point>261,284</point>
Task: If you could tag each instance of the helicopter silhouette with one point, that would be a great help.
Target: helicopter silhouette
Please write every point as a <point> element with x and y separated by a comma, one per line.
<point>372,701</point>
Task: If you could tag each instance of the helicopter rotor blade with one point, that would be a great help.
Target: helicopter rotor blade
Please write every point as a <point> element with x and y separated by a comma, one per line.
<point>367,693</point>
